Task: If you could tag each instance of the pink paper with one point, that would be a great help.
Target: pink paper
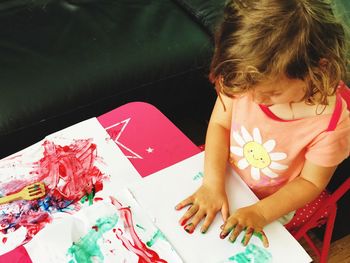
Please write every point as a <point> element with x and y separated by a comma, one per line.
<point>18,255</point>
<point>149,139</point>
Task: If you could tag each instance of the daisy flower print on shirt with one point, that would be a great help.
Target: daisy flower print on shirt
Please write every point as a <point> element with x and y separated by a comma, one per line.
<point>256,154</point>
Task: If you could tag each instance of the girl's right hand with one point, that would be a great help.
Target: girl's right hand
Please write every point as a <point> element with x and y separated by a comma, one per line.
<point>204,204</point>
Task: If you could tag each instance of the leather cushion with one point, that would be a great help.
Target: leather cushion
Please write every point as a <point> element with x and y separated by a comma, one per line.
<point>207,12</point>
<point>57,57</point>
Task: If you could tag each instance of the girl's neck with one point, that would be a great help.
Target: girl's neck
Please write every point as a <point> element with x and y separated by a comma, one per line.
<point>300,110</point>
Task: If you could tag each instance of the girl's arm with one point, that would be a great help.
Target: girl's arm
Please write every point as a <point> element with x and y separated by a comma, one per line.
<point>211,196</point>
<point>217,144</point>
<point>297,193</point>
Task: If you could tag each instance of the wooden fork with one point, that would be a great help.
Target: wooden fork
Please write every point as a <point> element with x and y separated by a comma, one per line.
<point>30,192</point>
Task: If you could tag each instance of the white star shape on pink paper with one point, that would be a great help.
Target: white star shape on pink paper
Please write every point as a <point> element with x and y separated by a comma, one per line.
<point>149,150</point>
<point>124,123</point>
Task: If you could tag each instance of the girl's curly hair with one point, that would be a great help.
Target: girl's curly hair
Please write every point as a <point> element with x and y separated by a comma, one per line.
<point>261,39</point>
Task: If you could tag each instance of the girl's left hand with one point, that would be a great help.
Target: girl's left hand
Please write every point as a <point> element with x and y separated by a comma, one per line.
<point>248,219</point>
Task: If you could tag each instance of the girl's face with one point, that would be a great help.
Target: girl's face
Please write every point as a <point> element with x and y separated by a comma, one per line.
<point>279,91</point>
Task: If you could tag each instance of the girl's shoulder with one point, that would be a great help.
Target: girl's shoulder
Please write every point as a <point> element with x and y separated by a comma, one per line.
<point>302,110</point>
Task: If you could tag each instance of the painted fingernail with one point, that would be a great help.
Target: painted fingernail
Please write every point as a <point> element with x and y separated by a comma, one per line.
<point>189,228</point>
<point>183,222</point>
<point>232,240</point>
<point>203,231</point>
<point>223,235</point>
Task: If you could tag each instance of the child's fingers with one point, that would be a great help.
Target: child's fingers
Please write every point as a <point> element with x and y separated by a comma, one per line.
<point>264,239</point>
<point>225,212</point>
<point>190,212</point>
<point>248,234</point>
<point>207,222</point>
<point>227,228</point>
<point>262,236</point>
<point>189,228</point>
<point>185,202</point>
<point>235,233</point>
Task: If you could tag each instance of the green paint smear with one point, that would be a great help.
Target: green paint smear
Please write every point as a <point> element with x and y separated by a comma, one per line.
<point>252,254</point>
<point>257,234</point>
<point>198,176</point>
<point>86,250</point>
<point>88,197</point>
<point>157,235</point>
<point>141,227</point>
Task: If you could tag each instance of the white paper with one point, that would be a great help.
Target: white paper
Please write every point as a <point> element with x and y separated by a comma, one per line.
<point>159,193</point>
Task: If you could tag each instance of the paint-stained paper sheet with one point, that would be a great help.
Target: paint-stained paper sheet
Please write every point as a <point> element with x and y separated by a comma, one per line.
<point>79,166</point>
<point>159,193</point>
<point>113,230</point>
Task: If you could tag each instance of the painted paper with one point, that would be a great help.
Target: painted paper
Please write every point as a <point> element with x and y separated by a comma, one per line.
<point>159,193</point>
<point>114,229</point>
<point>76,165</point>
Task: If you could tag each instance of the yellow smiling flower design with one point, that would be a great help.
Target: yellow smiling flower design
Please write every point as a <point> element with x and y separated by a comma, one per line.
<point>257,154</point>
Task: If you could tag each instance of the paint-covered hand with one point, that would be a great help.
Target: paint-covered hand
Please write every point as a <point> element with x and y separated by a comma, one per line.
<point>204,204</point>
<point>249,219</point>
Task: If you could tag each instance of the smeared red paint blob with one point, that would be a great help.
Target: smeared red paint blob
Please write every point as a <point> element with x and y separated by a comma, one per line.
<point>95,227</point>
<point>96,199</point>
<point>144,253</point>
<point>98,186</point>
<point>69,170</point>
<point>4,240</point>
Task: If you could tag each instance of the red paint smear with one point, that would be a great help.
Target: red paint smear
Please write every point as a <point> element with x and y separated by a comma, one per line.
<point>69,174</point>
<point>15,186</point>
<point>96,199</point>
<point>70,170</point>
<point>144,253</point>
<point>34,226</point>
<point>4,240</point>
<point>29,217</point>
<point>95,227</point>
<point>98,186</point>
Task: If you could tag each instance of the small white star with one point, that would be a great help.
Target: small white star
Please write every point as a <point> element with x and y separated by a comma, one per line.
<point>149,150</point>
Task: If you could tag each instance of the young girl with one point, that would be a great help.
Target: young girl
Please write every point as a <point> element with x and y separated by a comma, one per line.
<point>279,119</point>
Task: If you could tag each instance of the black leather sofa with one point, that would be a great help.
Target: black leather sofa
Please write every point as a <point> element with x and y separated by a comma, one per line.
<point>63,61</point>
